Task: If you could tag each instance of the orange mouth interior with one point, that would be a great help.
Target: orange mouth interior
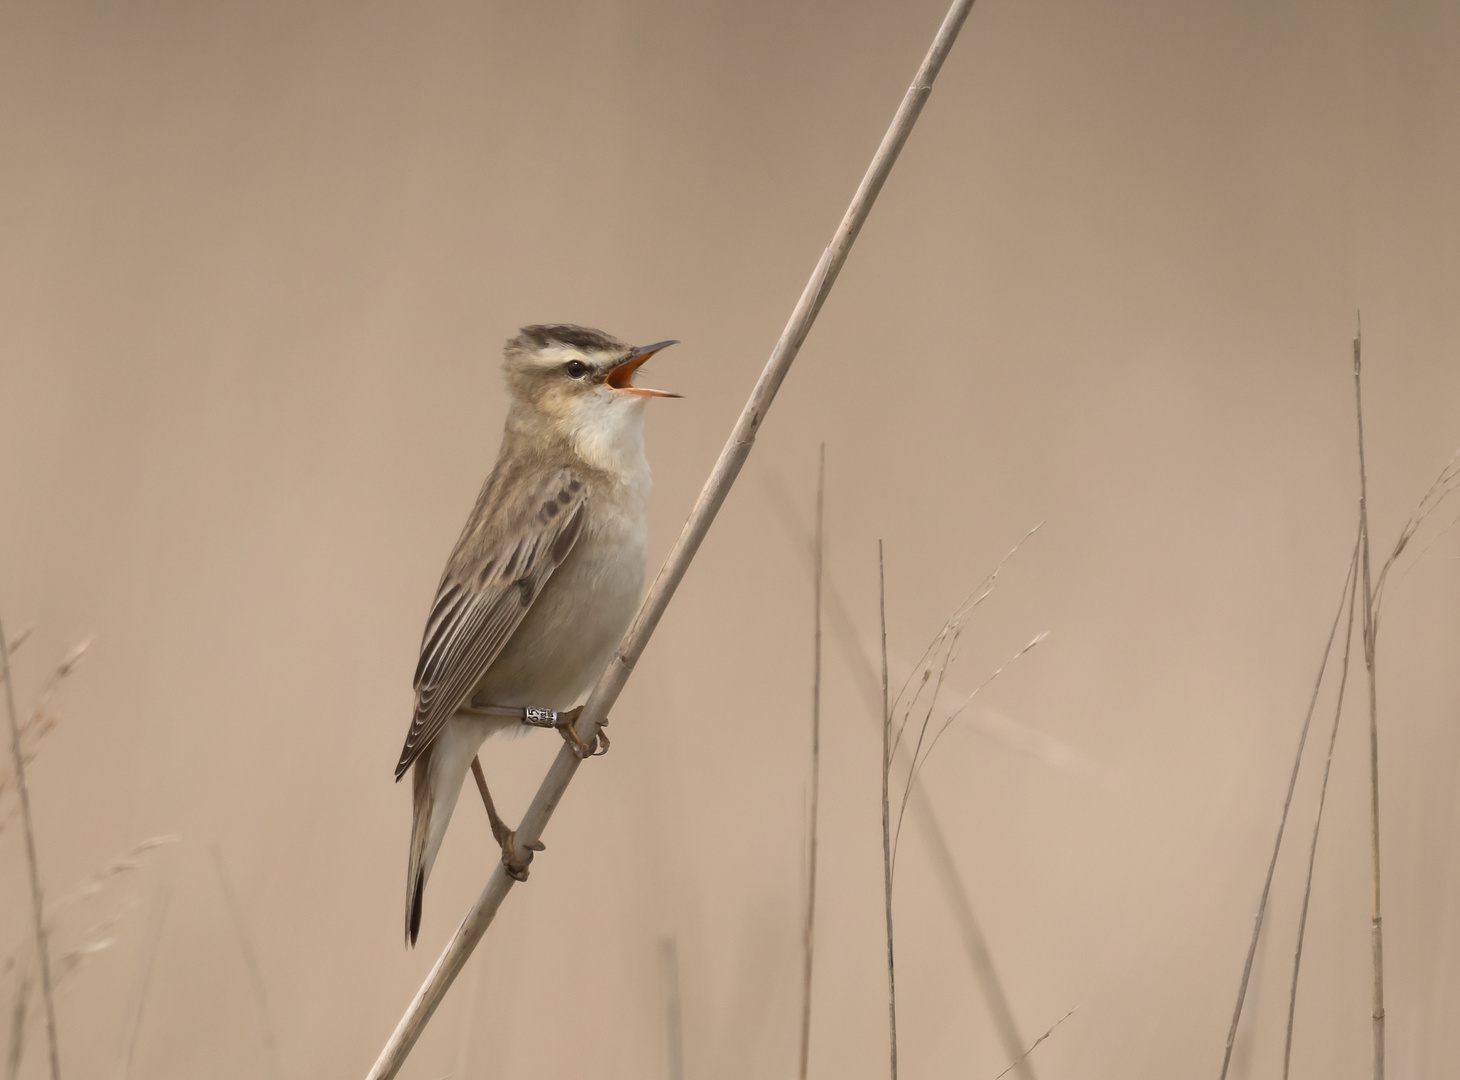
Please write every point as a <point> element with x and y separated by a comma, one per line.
<point>622,377</point>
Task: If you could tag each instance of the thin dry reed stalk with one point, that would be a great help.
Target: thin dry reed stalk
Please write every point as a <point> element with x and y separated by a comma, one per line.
<point>15,1050</point>
<point>1007,732</point>
<point>673,1008</point>
<point>42,719</point>
<point>886,817</point>
<point>918,762</point>
<point>732,458</point>
<point>1035,1044</point>
<point>941,652</point>
<point>1369,630</point>
<point>1282,825</point>
<point>1351,586</point>
<point>1373,592</point>
<point>810,933</point>
<point>38,921</point>
<point>1445,485</point>
<point>255,976</point>
<point>938,658</point>
<point>137,1000</point>
<point>945,866</point>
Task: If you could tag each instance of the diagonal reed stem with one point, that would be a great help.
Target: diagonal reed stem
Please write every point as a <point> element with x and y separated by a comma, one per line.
<point>722,476</point>
<point>1351,586</point>
<point>1282,824</point>
<point>810,935</point>
<point>38,921</point>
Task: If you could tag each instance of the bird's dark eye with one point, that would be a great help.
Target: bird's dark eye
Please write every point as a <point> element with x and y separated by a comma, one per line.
<point>576,369</point>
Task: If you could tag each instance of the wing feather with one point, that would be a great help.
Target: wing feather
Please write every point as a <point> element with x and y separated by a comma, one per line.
<point>522,529</point>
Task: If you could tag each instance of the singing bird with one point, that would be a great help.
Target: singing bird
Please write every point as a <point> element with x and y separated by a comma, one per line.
<point>541,583</point>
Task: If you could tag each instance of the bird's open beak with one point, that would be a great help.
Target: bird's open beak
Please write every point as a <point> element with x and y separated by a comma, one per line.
<point>622,377</point>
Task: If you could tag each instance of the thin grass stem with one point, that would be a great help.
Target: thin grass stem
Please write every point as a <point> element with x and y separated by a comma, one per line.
<point>1351,585</point>
<point>1370,631</point>
<point>1282,825</point>
<point>886,817</point>
<point>917,764</point>
<point>942,651</point>
<point>810,934</point>
<point>673,1008</point>
<point>38,921</point>
<point>19,1007</point>
<point>137,1002</point>
<point>1035,1044</point>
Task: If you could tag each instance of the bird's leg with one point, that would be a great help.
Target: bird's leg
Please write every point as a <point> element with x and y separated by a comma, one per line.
<point>500,832</point>
<point>515,862</point>
<point>567,728</point>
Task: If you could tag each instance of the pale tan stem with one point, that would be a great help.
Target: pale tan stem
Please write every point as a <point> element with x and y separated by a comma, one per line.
<point>674,1012</point>
<point>251,962</point>
<point>887,817</point>
<point>147,960</point>
<point>726,469</point>
<point>1282,825</point>
<point>1370,634</point>
<point>809,942</point>
<point>1351,585</point>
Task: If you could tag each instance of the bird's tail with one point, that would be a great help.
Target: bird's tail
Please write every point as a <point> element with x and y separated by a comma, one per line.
<point>437,776</point>
<point>418,865</point>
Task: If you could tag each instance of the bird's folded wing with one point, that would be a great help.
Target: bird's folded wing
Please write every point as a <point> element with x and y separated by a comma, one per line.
<point>522,529</point>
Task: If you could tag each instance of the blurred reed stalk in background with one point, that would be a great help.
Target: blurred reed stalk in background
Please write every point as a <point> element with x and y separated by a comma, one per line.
<point>54,966</point>
<point>38,919</point>
<point>818,572</point>
<point>886,817</point>
<point>137,1002</point>
<point>255,976</point>
<point>673,1007</point>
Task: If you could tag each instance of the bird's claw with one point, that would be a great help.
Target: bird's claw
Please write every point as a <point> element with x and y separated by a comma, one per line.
<point>567,728</point>
<point>515,858</point>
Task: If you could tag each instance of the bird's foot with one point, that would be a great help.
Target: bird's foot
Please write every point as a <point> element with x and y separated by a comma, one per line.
<point>567,728</point>
<point>516,857</point>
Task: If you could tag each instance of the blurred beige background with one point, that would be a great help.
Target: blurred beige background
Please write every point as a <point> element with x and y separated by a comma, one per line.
<point>256,265</point>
